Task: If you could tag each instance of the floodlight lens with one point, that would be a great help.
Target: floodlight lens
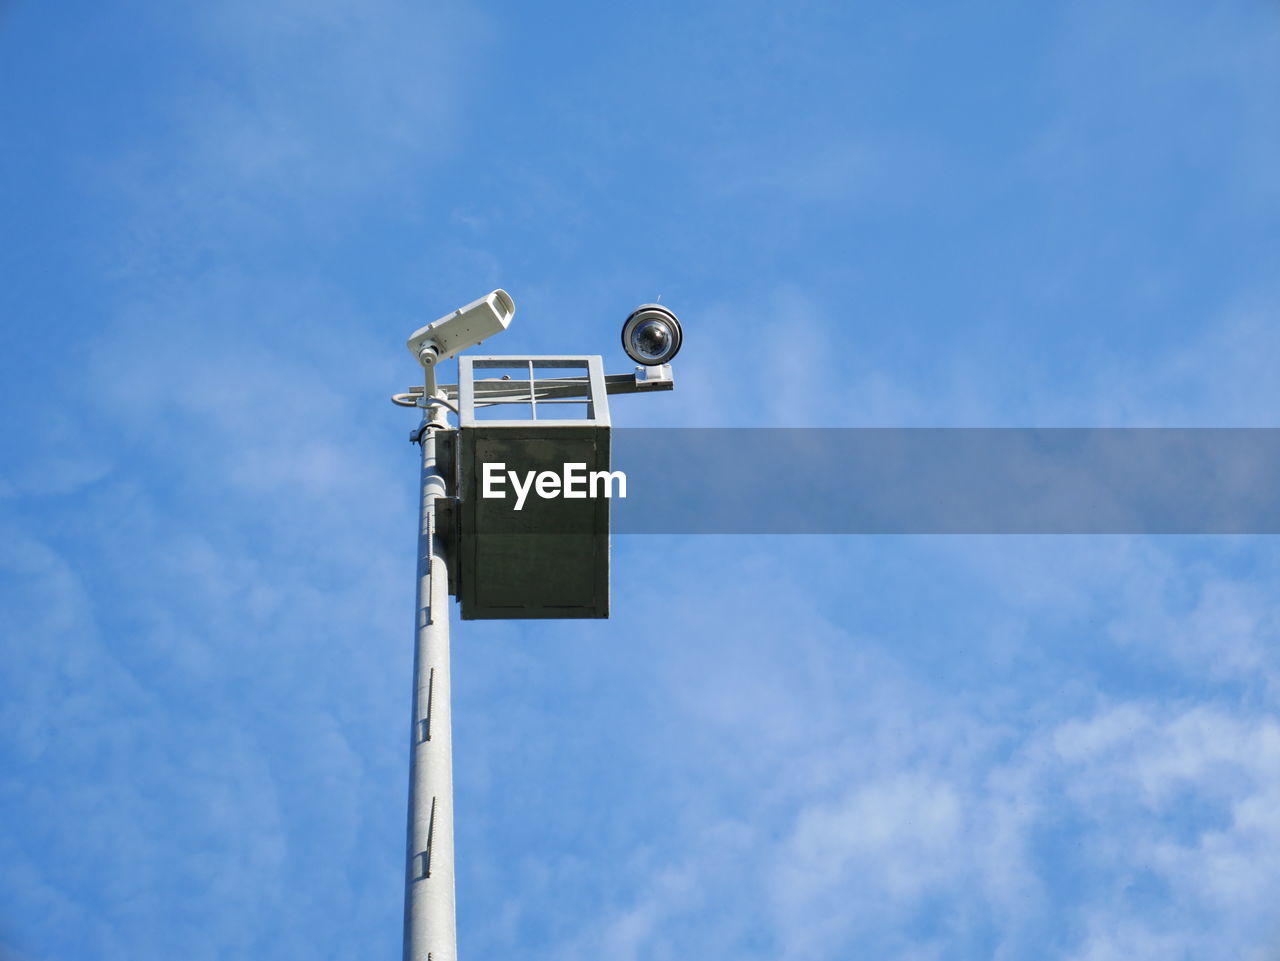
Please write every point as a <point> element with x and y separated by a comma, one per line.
<point>651,336</point>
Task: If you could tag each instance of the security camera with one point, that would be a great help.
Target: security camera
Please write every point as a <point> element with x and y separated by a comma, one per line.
<point>651,335</point>
<point>463,328</point>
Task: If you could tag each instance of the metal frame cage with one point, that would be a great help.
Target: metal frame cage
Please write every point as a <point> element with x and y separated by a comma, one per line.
<point>588,388</point>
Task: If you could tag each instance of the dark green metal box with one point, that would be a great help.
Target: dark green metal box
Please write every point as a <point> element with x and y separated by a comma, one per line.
<point>550,557</point>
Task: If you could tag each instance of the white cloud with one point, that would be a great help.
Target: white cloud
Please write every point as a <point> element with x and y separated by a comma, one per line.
<point>836,799</point>
<point>922,860</point>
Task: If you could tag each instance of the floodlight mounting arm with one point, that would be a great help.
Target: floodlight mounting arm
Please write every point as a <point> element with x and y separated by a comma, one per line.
<point>428,374</point>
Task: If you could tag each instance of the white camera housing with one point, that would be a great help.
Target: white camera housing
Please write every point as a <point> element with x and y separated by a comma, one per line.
<point>465,327</point>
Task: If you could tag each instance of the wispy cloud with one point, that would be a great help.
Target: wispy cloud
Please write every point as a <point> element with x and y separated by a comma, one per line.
<point>857,804</point>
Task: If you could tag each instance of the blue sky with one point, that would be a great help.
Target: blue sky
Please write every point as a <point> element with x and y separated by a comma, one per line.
<point>223,220</point>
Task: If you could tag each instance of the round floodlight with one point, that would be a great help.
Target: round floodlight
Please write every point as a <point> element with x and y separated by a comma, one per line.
<point>651,336</point>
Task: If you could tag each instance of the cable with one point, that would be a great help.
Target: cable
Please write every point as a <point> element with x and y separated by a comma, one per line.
<point>411,399</point>
<point>436,401</point>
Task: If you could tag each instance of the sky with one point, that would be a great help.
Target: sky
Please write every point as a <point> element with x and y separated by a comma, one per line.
<point>222,220</point>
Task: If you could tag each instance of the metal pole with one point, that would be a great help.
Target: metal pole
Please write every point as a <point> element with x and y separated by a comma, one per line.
<point>430,926</point>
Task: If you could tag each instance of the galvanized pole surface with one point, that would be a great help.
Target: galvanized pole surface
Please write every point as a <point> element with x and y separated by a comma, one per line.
<point>430,928</point>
